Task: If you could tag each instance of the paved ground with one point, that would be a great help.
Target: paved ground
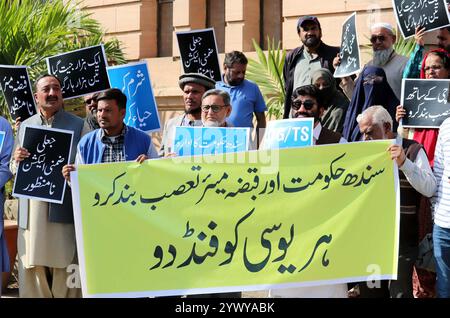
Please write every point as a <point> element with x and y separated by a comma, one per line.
<point>14,293</point>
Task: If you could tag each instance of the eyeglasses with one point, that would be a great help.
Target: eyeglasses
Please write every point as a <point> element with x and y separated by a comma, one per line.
<point>307,104</point>
<point>215,108</point>
<point>380,38</point>
<point>90,100</point>
<point>427,69</point>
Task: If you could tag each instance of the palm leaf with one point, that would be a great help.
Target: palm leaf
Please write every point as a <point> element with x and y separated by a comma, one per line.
<point>267,73</point>
<point>32,30</point>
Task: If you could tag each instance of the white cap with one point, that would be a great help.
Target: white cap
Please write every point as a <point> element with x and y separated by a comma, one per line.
<point>383,25</point>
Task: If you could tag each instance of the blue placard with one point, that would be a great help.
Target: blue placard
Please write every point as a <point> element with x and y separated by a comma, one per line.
<point>2,140</point>
<point>134,81</point>
<point>191,141</point>
<point>288,133</point>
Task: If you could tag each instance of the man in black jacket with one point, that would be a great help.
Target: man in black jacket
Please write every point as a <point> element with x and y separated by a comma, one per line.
<point>301,63</point>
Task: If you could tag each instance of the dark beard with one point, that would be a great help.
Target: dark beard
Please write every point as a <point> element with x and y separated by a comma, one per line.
<point>233,82</point>
<point>307,115</point>
<point>195,111</point>
<point>312,42</point>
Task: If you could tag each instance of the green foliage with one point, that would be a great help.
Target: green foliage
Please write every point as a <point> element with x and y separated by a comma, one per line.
<point>267,72</point>
<point>32,30</point>
<point>402,46</point>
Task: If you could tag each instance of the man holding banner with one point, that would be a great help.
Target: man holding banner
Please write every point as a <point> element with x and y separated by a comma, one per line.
<point>215,110</point>
<point>114,141</point>
<point>193,85</point>
<point>46,238</point>
<point>416,179</point>
<point>307,102</point>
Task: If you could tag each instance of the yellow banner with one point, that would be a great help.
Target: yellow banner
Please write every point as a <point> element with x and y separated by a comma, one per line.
<point>237,222</point>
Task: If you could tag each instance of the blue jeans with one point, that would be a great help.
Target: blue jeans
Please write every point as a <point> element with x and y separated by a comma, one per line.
<point>441,242</point>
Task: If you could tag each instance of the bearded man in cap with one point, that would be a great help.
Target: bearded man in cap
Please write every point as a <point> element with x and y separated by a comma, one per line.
<point>303,61</point>
<point>193,85</point>
<point>384,56</point>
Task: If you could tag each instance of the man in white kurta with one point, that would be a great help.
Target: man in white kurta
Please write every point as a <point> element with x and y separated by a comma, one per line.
<point>46,238</point>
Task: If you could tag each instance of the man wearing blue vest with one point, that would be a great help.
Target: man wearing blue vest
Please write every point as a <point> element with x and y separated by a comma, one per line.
<point>113,141</point>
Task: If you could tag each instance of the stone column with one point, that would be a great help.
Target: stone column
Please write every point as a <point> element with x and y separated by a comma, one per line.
<point>187,15</point>
<point>242,24</point>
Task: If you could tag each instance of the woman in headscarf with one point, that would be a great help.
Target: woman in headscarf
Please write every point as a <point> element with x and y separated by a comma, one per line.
<point>336,103</point>
<point>435,65</point>
<point>371,89</point>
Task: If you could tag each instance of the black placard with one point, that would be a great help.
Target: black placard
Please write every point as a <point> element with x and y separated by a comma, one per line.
<point>198,51</point>
<point>39,176</point>
<point>431,14</point>
<point>16,87</point>
<point>425,102</point>
<point>349,54</point>
<point>81,72</point>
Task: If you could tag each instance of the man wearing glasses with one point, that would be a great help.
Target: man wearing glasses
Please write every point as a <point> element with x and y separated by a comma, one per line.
<point>307,102</point>
<point>216,108</point>
<point>90,122</point>
<point>382,38</point>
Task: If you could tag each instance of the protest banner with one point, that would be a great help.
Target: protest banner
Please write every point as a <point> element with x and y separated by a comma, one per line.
<point>287,133</point>
<point>134,81</point>
<point>16,87</point>
<point>80,72</point>
<point>349,53</point>
<point>430,14</point>
<point>425,102</point>
<point>198,52</point>
<point>190,141</point>
<point>39,176</point>
<point>228,226</point>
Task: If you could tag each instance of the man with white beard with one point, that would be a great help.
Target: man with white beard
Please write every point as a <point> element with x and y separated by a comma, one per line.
<point>216,108</point>
<point>382,39</point>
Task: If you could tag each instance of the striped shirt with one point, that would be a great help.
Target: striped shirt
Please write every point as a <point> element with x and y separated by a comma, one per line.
<point>442,172</point>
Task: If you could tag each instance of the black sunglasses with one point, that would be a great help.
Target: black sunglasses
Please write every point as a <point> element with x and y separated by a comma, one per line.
<point>380,38</point>
<point>307,104</point>
<point>90,100</point>
<point>215,108</point>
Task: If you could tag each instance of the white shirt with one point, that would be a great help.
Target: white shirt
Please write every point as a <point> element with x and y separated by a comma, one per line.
<point>441,200</point>
<point>419,173</point>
